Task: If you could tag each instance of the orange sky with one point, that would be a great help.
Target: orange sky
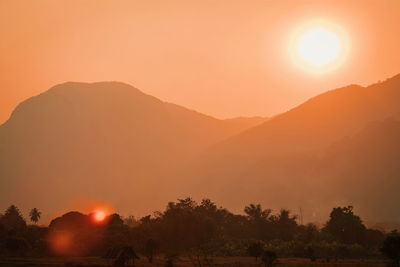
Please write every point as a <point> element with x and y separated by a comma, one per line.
<point>224,58</point>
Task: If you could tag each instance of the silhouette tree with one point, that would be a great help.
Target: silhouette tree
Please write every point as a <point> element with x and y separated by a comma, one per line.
<point>268,258</point>
<point>13,220</point>
<point>185,226</point>
<point>345,226</point>
<point>207,206</point>
<point>126,254</point>
<point>255,250</point>
<point>258,221</point>
<point>150,249</point>
<point>201,230</point>
<point>256,213</point>
<point>16,246</point>
<point>310,253</point>
<point>391,247</point>
<point>116,233</point>
<point>374,238</point>
<point>285,225</point>
<point>308,233</point>
<point>34,215</point>
<point>131,221</point>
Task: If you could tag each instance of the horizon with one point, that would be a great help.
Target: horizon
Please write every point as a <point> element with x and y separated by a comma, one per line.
<point>199,111</point>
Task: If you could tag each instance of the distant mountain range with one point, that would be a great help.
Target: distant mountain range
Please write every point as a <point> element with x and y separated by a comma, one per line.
<point>105,141</point>
<point>108,141</point>
<point>306,158</point>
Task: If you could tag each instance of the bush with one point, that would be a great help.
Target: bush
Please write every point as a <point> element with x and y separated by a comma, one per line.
<point>391,248</point>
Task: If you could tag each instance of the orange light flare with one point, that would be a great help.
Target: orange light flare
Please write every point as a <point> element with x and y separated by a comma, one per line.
<point>98,216</point>
<point>61,242</point>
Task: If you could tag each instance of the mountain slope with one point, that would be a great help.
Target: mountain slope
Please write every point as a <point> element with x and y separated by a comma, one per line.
<point>323,119</point>
<point>276,162</point>
<point>104,141</point>
<point>365,170</point>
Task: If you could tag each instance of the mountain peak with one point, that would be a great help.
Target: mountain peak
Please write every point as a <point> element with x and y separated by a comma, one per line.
<point>95,87</point>
<point>75,95</point>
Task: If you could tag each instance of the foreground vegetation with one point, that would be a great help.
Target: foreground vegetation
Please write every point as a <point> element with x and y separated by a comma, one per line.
<point>195,234</point>
<point>184,262</point>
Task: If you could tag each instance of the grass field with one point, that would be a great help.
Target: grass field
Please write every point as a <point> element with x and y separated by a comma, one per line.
<point>182,262</point>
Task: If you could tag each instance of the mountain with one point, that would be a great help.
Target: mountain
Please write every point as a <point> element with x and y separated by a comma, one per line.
<point>246,122</point>
<point>279,163</point>
<point>104,141</point>
<point>365,170</point>
<point>109,142</point>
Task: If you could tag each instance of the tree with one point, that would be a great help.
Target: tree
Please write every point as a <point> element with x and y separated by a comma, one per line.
<point>116,233</point>
<point>13,220</point>
<point>115,220</point>
<point>268,258</point>
<point>126,254</point>
<point>150,249</point>
<point>310,253</point>
<point>285,225</point>
<point>185,226</point>
<point>391,247</point>
<point>258,221</point>
<point>34,215</point>
<point>131,221</point>
<point>345,226</point>
<point>256,213</point>
<point>207,206</point>
<point>308,233</point>
<point>255,249</point>
<point>374,238</point>
<point>80,232</point>
<point>16,245</point>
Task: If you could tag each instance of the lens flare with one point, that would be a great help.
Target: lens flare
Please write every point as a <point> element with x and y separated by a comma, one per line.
<point>99,215</point>
<point>61,242</point>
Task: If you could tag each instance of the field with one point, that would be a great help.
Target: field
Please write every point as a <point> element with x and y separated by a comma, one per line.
<point>182,262</point>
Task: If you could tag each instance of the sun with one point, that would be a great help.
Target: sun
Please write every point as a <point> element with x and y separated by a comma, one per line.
<point>319,46</point>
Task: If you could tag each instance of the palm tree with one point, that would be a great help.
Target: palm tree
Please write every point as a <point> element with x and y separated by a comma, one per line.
<point>256,212</point>
<point>34,215</point>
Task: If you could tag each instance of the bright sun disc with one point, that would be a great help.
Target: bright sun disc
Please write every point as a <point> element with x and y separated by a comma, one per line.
<point>319,46</point>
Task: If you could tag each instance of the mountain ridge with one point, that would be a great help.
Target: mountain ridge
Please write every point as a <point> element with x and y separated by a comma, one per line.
<point>279,153</point>
<point>78,136</point>
<point>110,141</point>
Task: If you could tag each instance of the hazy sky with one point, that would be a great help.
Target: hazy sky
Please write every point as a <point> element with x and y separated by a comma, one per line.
<point>224,58</point>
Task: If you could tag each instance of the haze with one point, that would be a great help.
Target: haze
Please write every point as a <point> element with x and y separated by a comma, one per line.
<point>199,133</point>
<point>223,58</point>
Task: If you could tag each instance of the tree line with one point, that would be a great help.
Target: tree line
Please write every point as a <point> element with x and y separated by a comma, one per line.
<point>198,231</point>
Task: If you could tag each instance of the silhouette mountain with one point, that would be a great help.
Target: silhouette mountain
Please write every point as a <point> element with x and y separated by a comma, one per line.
<point>280,163</point>
<point>104,141</point>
